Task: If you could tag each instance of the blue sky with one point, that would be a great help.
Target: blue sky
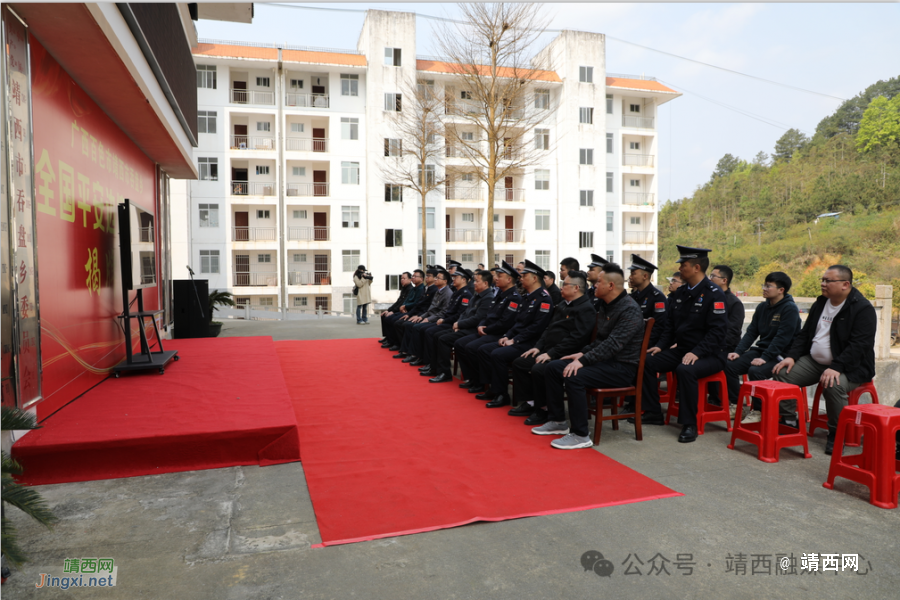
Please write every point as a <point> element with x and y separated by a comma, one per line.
<point>830,48</point>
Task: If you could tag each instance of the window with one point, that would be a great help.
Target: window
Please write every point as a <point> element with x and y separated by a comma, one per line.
<point>266,302</point>
<point>206,121</point>
<point>299,258</point>
<point>301,301</point>
<point>587,197</point>
<point>635,220</point>
<point>467,257</point>
<point>634,182</point>
<point>296,84</point>
<point>209,168</point>
<point>393,193</point>
<point>468,217</point>
<point>542,99</point>
<point>542,220</point>
<point>610,216</point>
<point>635,108</point>
<point>634,145</point>
<point>322,302</point>
<point>263,126</point>
<point>609,255</point>
<point>206,76</point>
<point>264,258</point>
<point>241,301</point>
<point>542,179</point>
<point>349,84</point>
<point>350,217</point>
<point>297,127</point>
<point>430,258</point>
<point>262,170</point>
<point>393,147</point>
<point>391,282</point>
<point>425,87</point>
<point>586,156</point>
<point>542,259</point>
<point>609,143</point>
<point>393,238</point>
<point>209,261</point>
<point>393,102</point>
<point>541,139</point>
<point>300,214</point>
<point>465,95</point>
<point>392,57</point>
<point>609,182</point>
<point>262,214</point>
<point>468,177</point>
<point>467,136</point>
<point>586,74</point>
<point>209,215</point>
<point>497,218</point>
<point>350,173</point>
<point>262,82</point>
<point>351,260</point>
<point>585,239</point>
<point>349,128</point>
<point>298,171</point>
<point>586,115</point>
<point>430,175</point>
<point>429,219</point>
<point>609,104</point>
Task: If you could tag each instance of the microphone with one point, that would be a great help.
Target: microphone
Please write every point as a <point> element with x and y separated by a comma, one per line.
<point>190,270</point>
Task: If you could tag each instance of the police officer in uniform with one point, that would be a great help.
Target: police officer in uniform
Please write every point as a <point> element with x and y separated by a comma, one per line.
<point>459,301</point>
<point>594,267</point>
<point>420,308</point>
<point>697,323</point>
<point>652,301</point>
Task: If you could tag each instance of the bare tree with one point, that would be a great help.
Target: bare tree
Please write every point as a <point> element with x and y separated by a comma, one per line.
<point>493,68</point>
<point>414,153</point>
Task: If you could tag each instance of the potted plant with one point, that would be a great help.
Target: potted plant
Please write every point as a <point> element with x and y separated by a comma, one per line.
<point>25,498</point>
<point>216,298</point>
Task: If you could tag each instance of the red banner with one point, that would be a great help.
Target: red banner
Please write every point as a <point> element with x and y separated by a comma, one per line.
<point>84,167</point>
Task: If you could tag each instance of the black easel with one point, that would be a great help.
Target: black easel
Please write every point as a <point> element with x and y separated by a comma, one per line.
<point>147,359</point>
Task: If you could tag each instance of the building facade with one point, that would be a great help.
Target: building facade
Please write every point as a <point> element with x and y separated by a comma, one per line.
<point>292,194</point>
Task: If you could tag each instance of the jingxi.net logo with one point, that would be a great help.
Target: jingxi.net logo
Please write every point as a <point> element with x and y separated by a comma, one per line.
<point>81,572</point>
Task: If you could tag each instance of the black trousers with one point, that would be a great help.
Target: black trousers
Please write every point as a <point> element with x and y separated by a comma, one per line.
<point>427,350</point>
<point>670,360</point>
<point>412,341</point>
<point>389,327</point>
<point>468,355</point>
<point>607,374</point>
<point>496,362</point>
<point>528,383</point>
<point>446,341</point>
<point>401,328</point>
<point>741,366</point>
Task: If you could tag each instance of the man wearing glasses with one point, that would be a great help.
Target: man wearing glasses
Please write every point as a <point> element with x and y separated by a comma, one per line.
<point>836,346</point>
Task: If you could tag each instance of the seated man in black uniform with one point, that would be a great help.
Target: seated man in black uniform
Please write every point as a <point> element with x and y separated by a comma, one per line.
<point>412,299</point>
<point>652,302</point>
<point>405,286</point>
<point>440,304</point>
<point>696,324</point>
<point>734,309</point>
<point>422,342</point>
<point>552,288</point>
<point>532,320</point>
<point>421,307</point>
<point>593,273</point>
<point>476,310</point>
<point>569,331</point>
<point>498,321</point>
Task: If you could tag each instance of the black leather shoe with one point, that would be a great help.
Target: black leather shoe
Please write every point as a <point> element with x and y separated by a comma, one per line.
<point>427,372</point>
<point>466,384</point>
<point>648,419</point>
<point>382,340</point>
<point>418,362</point>
<point>409,358</point>
<point>394,348</point>
<point>499,401</point>
<point>829,444</point>
<point>522,410</point>
<point>485,396</point>
<point>476,389</point>
<point>386,344</point>
<point>688,434</point>
<point>538,417</point>
<point>442,378</point>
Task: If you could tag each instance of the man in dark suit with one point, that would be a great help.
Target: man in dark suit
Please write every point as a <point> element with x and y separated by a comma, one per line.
<point>413,297</point>
<point>423,340</point>
<point>552,288</point>
<point>405,286</point>
<point>420,307</point>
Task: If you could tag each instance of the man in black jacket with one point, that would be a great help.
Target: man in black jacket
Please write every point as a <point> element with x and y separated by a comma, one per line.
<point>420,338</point>
<point>420,307</point>
<point>405,286</point>
<point>836,346</point>
<point>775,322</point>
<point>569,331</point>
<point>552,288</point>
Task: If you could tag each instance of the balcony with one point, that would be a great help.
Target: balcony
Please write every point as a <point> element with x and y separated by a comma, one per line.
<point>252,234</point>
<point>296,100</point>
<point>465,235</point>
<point>463,193</point>
<point>454,151</point>
<point>509,236</point>
<point>641,238</point>
<point>309,277</point>
<point>509,194</point>
<point>637,122</point>
<point>303,144</point>
<point>252,97</point>
<point>266,276</point>
<point>638,199</point>
<point>308,234</point>
<point>252,188</point>
<point>307,189</point>
<point>638,160</point>
<point>252,142</point>
<point>462,107</point>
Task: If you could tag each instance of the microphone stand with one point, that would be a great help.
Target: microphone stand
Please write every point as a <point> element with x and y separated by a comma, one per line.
<point>196,293</point>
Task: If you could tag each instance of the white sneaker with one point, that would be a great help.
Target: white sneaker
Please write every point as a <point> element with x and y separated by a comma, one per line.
<point>552,428</point>
<point>754,416</point>
<point>572,442</point>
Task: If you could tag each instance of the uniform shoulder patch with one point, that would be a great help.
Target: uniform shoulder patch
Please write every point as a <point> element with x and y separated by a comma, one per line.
<point>545,307</point>
<point>513,306</point>
<point>719,308</point>
<point>660,307</point>
<point>465,300</point>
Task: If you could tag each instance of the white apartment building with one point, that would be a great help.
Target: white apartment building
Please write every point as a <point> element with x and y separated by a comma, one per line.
<point>292,197</point>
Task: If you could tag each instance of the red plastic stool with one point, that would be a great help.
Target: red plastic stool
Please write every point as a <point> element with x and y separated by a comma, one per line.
<point>669,394</point>
<point>876,467</point>
<point>817,421</point>
<point>706,412</point>
<point>768,435</point>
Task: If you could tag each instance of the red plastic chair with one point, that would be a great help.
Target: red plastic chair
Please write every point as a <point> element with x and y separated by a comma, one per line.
<point>768,435</point>
<point>706,412</point>
<point>817,421</point>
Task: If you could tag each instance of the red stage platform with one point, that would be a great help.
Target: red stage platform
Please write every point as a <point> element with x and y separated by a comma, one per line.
<point>224,403</point>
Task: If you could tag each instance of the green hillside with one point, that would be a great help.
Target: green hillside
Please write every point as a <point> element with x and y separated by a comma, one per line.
<point>760,215</point>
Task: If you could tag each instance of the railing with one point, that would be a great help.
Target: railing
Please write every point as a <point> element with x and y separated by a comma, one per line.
<point>252,188</point>
<point>308,234</point>
<point>638,237</point>
<point>509,236</point>
<point>256,277</point>
<point>306,100</point>
<point>465,235</point>
<point>255,142</point>
<point>462,107</point>
<point>252,97</point>
<point>638,160</point>
<point>638,199</point>
<point>299,144</point>
<point>454,151</point>
<point>639,122</point>
<point>309,277</point>
<point>252,234</point>
<point>307,189</point>
<point>509,194</point>
<point>463,193</point>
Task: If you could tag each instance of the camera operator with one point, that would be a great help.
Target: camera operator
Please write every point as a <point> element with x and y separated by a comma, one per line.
<point>362,280</point>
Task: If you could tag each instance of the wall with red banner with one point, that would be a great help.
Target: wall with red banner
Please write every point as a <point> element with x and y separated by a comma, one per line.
<point>84,167</point>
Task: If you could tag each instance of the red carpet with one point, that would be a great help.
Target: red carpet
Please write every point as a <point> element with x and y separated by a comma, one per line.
<point>224,403</point>
<point>386,453</point>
